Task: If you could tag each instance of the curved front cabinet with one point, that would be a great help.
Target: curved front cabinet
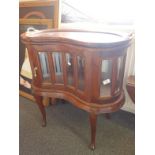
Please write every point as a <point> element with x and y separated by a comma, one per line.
<point>85,68</point>
<point>94,78</point>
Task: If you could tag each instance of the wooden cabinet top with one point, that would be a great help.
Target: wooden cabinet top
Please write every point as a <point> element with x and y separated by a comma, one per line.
<point>79,37</point>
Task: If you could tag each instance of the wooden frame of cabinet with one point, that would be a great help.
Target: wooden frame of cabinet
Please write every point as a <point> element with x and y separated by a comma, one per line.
<point>34,22</point>
<point>92,47</point>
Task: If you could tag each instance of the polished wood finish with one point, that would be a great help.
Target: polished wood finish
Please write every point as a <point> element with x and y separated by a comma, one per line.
<point>34,3</point>
<point>40,4</point>
<point>53,101</point>
<point>130,86</point>
<point>93,119</point>
<point>45,100</point>
<point>97,73</point>
<point>22,93</point>
<point>41,108</point>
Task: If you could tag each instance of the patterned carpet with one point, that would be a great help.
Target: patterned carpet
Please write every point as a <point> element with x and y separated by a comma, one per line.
<point>68,133</point>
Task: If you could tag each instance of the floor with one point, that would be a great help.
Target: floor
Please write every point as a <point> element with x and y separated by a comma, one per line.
<point>68,133</point>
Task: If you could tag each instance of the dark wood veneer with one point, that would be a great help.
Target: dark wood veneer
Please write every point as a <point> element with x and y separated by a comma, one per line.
<point>88,50</point>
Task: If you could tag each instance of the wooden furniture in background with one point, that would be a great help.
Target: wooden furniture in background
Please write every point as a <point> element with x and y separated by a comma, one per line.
<point>82,67</point>
<point>130,86</point>
<point>39,14</point>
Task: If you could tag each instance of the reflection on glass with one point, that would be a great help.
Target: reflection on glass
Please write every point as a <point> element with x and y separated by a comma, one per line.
<point>57,59</point>
<point>81,63</point>
<point>105,83</point>
<point>119,73</point>
<point>69,67</point>
<point>44,65</point>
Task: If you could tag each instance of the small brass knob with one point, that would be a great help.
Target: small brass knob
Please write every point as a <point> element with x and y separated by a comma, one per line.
<point>35,71</point>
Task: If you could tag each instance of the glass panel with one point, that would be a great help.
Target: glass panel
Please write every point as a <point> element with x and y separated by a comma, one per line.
<point>57,59</point>
<point>69,66</point>
<point>119,73</point>
<point>44,65</point>
<point>26,78</point>
<point>105,83</point>
<point>81,64</point>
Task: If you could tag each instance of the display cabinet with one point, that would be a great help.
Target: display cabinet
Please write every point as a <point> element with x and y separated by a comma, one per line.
<point>82,67</point>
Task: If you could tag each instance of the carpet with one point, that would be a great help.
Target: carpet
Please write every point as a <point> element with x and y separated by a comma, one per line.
<point>68,131</point>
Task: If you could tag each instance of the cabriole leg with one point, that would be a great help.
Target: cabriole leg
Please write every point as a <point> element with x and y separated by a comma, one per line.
<point>41,108</point>
<point>53,101</point>
<point>93,119</point>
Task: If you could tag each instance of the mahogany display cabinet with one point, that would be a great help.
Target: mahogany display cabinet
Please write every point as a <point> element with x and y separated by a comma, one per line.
<point>82,67</point>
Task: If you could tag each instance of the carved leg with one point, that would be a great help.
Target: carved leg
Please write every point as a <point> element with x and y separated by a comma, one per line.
<point>53,101</point>
<point>42,108</point>
<point>45,101</point>
<point>107,116</point>
<point>93,119</point>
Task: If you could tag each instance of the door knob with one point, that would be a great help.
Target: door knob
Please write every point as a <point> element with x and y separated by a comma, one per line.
<point>35,71</point>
